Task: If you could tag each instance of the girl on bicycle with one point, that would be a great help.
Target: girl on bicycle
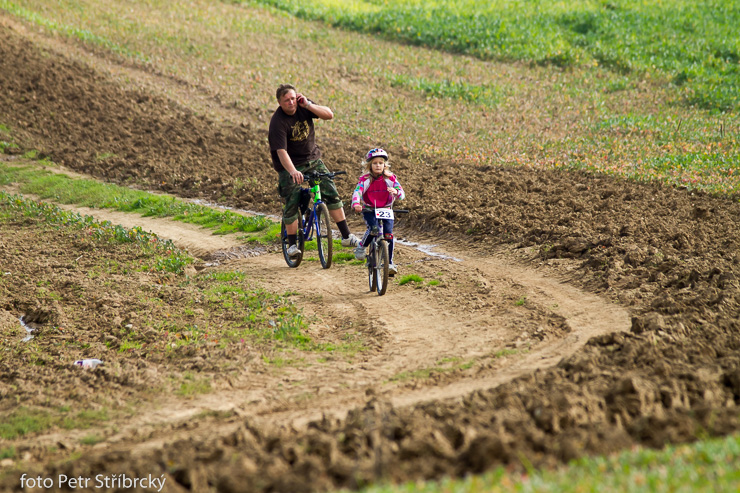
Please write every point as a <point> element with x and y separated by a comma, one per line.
<point>377,188</point>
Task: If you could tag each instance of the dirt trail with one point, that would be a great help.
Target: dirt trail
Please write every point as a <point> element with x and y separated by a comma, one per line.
<point>472,316</point>
<point>585,315</point>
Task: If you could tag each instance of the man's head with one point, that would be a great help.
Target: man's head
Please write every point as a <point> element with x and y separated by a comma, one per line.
<point>286,97</point>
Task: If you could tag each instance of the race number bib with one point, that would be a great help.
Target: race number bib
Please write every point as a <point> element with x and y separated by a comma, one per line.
<point>384,213</point>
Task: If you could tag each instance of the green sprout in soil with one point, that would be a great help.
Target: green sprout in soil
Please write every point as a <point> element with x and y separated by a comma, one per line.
<point>445,365</point>
<point>191,386</point>
<point>619,36</point>
<point>250,316</point>
<point>24,420</point>
<point>6,140</point>
<point>485,95</point>
<point>504,353</point>
<point>7,453</point>
<point>410,278</point>
<point>91,439</point>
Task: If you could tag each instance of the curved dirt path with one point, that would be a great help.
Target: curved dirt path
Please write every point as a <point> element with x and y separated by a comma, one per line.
<point>489,321</point>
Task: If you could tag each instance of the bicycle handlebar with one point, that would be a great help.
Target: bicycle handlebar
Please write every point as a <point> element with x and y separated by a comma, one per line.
<point>312,175</point>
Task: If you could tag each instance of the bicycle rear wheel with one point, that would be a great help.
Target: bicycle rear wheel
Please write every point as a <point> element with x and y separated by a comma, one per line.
<point>291,261</point>
<point>324,240</point>
<point>381,267</point>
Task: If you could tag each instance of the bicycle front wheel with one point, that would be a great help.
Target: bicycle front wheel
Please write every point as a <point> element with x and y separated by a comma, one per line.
<point>381,267</point>
<point>291,261</point>
<point>323,235</point>
<point>370,261</point>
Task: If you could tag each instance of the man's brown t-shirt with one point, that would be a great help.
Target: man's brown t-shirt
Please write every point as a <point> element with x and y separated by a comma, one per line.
<point>295,134</point>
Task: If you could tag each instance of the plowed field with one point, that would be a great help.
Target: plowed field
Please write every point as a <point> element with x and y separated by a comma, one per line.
<point>575,314</point>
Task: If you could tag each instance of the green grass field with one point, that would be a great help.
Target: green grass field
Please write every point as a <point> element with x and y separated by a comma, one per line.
<point>692,45</point>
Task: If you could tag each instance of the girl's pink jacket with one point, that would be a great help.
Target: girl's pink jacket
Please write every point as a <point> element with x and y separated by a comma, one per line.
<point>373,192</point>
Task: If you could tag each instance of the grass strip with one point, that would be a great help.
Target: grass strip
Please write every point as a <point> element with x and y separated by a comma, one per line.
<point>89,193</point>
<point>706,466</point>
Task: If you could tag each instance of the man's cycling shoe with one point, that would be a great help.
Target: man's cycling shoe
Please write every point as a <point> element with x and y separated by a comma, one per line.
<point>350,241</point>
<point>293,251</point>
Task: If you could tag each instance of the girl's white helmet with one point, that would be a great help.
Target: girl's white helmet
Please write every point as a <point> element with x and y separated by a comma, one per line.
<point>377,152</point>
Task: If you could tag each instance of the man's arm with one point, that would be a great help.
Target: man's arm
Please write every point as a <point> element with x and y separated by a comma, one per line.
<point>323,112</point>
<point>289,167</point>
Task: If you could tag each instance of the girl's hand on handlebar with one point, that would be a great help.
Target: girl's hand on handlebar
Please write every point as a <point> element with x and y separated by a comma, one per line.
<point>357,208</point>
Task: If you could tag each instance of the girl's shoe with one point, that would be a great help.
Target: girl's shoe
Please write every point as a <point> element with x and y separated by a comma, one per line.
<point>293,251</point>
<point>392,269</point>
<point>360,252</point>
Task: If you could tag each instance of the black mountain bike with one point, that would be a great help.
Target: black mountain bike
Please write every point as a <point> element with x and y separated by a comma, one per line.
<point>378,258</point>
<point>312,219</point>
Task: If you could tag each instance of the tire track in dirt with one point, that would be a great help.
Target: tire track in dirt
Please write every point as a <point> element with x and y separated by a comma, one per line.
<point>587,316</point>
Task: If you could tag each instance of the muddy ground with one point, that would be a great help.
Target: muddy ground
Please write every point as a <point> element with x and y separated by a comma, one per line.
<point>655,268</point>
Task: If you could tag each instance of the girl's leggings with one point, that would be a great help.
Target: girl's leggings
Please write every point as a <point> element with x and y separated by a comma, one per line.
<point>385,226</point>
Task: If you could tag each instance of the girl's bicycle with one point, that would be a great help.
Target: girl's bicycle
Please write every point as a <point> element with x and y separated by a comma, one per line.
<point>378,258</point>
<point>312,219</point>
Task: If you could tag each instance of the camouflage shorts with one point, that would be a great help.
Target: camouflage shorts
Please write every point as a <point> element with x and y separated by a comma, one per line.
<point>291,192</point>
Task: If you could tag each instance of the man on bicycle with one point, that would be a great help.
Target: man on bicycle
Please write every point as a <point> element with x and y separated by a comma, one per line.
<point>294,151</point>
